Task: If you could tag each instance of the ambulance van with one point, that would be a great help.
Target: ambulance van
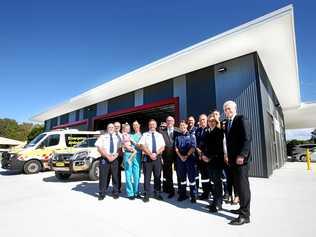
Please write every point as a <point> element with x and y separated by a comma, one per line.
<point>34,156</point>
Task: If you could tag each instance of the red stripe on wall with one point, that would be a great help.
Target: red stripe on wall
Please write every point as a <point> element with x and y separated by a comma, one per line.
<point>174,100</point>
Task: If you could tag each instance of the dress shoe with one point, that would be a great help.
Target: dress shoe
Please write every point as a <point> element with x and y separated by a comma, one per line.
<point>204,196</point>
<point>146,198</point>
<point>235,211</point>
<point>193,200</point>
<point>212,209</point>
<point>158,197</point>
<point>240,221</point>
<point>137,196</point>
<point>226,197</point>
<point>131,198</point>
<point>171,195</point>
<point>182,198</point>
<point>101,197</point>
<point>229,200</point>
<point>115,196</point>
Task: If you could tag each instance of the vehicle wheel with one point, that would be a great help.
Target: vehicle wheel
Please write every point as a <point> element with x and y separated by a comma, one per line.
<point>303,158</point>
<point>4,163</point>
<point>32,167</point>
<point>6,155</point>
<point>94,171</point>
<point>62,176</point>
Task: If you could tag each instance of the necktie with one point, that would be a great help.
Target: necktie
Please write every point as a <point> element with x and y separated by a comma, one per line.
<point>170,133</point>
<point>111,144</point>
<point>229,125</point>
<point>153,142</point>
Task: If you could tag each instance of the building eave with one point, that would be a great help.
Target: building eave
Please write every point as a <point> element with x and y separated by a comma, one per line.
<point>272,36</point>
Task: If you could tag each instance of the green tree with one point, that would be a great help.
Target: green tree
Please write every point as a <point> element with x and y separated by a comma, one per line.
<point>36,129</point>
<point>10,128</point>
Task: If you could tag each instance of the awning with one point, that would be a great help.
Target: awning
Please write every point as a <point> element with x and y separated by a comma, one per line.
<point>9,142</point>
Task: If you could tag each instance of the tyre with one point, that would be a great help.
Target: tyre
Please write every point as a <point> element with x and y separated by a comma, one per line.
<point>303,158</point>
<point>32,167</point>
<point>4,163</point>
<point>6,155</point>
<point>62,176</point>
<point>94,171</point>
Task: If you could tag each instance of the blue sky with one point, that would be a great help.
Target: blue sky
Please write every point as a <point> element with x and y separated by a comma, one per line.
<point>53,50</point>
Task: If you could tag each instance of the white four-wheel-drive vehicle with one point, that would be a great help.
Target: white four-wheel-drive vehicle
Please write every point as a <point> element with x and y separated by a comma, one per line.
<point>82,158</point>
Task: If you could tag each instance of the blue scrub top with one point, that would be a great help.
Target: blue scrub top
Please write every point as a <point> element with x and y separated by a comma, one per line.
<point>136,137</point>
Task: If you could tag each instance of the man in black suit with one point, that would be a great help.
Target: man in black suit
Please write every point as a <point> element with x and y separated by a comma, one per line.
<point>238,139</point>
<point>169,156</point>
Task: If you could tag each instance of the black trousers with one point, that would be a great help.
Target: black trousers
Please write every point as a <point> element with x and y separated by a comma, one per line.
<point>120,160</point>
<point>106,169</point>
<point>241,184</point>
<point>203,168</point>
<point>229,180</point>
<point>168,157</point>
<point>152,166</point>
<point>216,177</point>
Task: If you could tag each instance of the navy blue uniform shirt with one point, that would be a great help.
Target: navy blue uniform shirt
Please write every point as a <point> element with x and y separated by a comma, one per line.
<point>200,135</point>
<point>184,142</point>
<point>192,130</point>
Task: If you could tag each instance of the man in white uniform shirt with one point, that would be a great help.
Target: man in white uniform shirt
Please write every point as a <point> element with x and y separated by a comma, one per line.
<point>117,132</point>
<point>152,144</point>
<point>108,145</point>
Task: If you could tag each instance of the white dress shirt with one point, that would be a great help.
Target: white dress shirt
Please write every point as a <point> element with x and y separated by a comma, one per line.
<point>170,130</point>
<point>104,142</point>
<point>146,140</point>
<point>118,135</point>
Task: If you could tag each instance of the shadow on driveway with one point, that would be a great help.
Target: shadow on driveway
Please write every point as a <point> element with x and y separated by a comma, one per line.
<point>10,172</point>
<point>92,189</point>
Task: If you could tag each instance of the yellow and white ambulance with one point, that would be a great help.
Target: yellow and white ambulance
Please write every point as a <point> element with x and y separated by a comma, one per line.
<point>34,156</point>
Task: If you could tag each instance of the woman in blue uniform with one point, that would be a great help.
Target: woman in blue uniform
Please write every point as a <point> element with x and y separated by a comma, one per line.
<point>132,159</point>
<point>185,144</point>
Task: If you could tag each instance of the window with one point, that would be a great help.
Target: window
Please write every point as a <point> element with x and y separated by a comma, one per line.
<point>74,139</point>
<point>91,142</point>
<point>51,140</point>
<point>35,140</point>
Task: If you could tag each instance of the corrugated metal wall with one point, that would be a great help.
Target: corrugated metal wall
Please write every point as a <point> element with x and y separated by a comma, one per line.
<point>247,104</point>
<point>200,91</point>
<point>238,82</point>
<point>274,129</point>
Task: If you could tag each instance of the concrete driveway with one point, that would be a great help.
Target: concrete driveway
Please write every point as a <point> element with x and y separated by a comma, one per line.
<point>40,205</point>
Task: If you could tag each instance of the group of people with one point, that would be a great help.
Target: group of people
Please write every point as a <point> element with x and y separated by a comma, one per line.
<point>218,150</point>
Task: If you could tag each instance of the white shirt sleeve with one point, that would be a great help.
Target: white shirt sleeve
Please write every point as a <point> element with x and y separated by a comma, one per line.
<point>224,145</point>
<point>142,140</point>
<point>100,142</point>
<point>162,141</point>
